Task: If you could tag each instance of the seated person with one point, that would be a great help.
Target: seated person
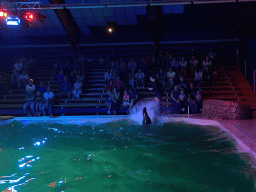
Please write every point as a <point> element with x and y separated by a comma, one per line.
<point>110,85</point>
<point>207,77</point>
<point>160,77</point>
<point>175,64</point>
<point>15,79</point>
<point>132,83</point>
<point>60,77</point>
<point>199,77</point>
<point>199,102</point>
<point>39,103</point>
<point>182,83</point>
<point>133,97</point>
<point>119,84</point>
<point>101,60</point>
<point>80,76</point>
<point>126,100</point>
<point>183,66</point>
<point>30,84</point>
<point>48,101</point>
<point>113,74</point>
<point>42,88</point>
<point>191,92</point>
<point>18,66</point>
<point>65,88</point>
<point>175,98</point>
<point>132,64</point>
<point>170,79</point>
<point>109,101</point>
<point>77,90</point>
<point>193,64</point>
<point>182,99</point>
<point>207,63</point>
<point>107,75</point>
<point>30,96</point>
<point>139,77</point>
<point>23,80</point>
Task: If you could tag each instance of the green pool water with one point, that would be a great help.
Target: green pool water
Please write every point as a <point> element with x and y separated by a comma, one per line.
<point>121,156</point>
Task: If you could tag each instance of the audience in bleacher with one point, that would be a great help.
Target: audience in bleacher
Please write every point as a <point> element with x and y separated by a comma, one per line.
<point>48,101</point>
<point>65,88</point>
<point>30,85</point>
<point>42,88</point>
<point>139,77</point>
<point>109,101</point>
<point>157,87</point>
<point>77,89</point>
<point>30,96</point>
<point>18,66</point>
<point>23,80</point>
<point>39,103</point>
<point>60,77</point>
<point>15,79</point>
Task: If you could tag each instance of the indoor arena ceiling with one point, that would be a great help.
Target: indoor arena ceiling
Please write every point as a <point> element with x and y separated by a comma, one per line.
<point>125,14</point>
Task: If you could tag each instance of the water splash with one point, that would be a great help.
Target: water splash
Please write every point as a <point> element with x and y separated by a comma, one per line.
<point>153,107</point>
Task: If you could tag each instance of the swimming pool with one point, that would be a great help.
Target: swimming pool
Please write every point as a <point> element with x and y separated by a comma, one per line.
<point>115,153</point>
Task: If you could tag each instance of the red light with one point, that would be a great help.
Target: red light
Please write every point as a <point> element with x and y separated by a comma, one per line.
<point>3,14</point>
<point>29,16</point>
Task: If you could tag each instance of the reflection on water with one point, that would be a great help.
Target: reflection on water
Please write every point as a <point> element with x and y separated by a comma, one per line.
<point>121,156</point>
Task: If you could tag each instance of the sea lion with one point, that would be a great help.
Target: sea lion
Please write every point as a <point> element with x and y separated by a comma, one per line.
<point>146,120</point>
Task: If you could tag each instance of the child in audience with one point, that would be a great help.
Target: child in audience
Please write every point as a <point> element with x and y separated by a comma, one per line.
<point>42,88</point>
<point>77,91</point>
<point>126,100</point>
<point>109,101</point>
<point>48,101</point>
<point>39,103</point>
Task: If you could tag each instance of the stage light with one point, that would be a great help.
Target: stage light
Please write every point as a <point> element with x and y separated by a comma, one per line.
<point>110,30</point>
<point>12,21</point>
<point>28,16</point>
<point>3,14</point>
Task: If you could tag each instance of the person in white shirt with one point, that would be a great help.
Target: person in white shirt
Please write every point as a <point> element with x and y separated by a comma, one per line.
<point>48,101</point>
<point>18,66</point>
<point>23,80</point>
<point>30,84</point>
<point>77,90</point>
<point>183,66</point>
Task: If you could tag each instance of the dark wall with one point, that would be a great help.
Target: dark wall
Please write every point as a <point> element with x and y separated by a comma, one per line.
<point>250,56</point>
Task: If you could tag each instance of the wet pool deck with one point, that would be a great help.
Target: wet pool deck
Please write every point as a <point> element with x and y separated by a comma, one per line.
<point>244,131</point>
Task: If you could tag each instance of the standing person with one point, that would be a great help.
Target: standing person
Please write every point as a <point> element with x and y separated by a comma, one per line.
<point>30,96</point>
<point>15,80</point>
<point>114,98</point>
<point>133,97</point>
<point>48,101</point>
<point>156,87</point>
<point>109,101</point>
<point>193,64</point>
<point>183,100</point>
<point>175,98</point>
<point>77,90</point>
<point>140,78</point>
<point>146,120</point>
<point>39,103</point>
<point>23,80</point>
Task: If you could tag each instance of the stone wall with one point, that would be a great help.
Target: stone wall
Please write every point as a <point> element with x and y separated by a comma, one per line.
<point>225,110</point>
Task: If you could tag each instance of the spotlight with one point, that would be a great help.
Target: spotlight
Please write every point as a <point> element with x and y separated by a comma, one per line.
<point>3,14</point>
<point>28,16</point>
<point>110,30</point>
<point>112,26</point>
<point>12,21</point>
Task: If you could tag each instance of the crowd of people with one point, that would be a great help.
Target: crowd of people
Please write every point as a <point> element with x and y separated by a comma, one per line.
<point>169,78</point>
<point>123,79</point>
